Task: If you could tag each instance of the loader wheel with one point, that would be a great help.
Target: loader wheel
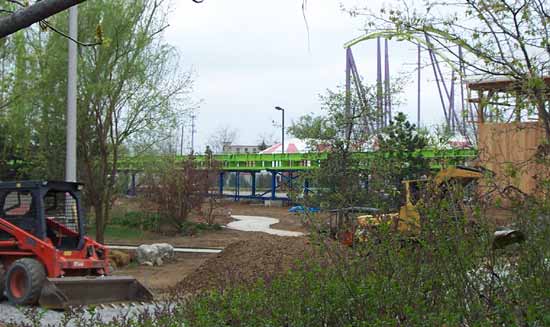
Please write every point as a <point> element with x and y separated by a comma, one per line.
<point>2,281</point>
<point>24,281</point>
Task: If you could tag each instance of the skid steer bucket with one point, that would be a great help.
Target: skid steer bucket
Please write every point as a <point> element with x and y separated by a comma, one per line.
<point>60,293</point>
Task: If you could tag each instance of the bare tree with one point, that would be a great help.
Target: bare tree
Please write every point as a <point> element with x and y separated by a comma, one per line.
<point>178,189</point>
<point>223,135</point>
<point>482,38</point>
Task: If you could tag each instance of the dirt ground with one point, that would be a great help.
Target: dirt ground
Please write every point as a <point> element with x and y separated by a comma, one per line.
<point>247,255</point>
<point>160,279</point>
<point>245,261</point>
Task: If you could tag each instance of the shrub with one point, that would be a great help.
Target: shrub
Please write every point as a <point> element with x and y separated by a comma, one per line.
<point>189,228</point>
<point>448,275</point>
<point>137,219</point>
<point>178,189</point>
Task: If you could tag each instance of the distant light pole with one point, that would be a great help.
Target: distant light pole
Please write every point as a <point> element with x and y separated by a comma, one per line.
<point>282,130</point>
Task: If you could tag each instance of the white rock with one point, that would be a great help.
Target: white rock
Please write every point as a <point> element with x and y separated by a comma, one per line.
<point>146,252</point>
<point>166,251</point>
<point>154,253</point>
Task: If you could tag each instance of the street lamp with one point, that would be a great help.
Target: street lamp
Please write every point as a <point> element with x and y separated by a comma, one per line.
<point>282,130</point>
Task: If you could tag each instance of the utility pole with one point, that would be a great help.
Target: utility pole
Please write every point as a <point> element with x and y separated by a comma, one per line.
<point>379,91</point>
<point>419,87</point>
<point>193,131</point>
<point>387,92</point>
<point>181,141</point>
<point>70,162</point>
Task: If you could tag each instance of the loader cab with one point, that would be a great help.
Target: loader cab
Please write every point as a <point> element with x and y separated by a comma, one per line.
<point>46,209</point>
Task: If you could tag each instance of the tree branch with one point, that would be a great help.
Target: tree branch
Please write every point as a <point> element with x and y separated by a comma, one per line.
<point>27,16</point>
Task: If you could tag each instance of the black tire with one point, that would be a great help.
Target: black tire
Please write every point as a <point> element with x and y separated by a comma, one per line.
<point>24,281</point>
<point>2,281</point>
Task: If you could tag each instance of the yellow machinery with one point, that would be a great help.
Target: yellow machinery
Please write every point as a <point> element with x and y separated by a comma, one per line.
<point>407,221</point>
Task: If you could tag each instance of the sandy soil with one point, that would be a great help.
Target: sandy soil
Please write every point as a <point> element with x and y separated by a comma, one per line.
<point>160,279</point>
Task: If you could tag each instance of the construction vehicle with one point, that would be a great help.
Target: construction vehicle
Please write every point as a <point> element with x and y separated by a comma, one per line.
<point>407,221</point>
<point>46,258</point>
<point>352,224</point>
<point>408,218</point>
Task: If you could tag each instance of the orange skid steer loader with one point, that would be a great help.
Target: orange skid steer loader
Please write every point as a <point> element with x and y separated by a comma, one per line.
<point>45,257</point>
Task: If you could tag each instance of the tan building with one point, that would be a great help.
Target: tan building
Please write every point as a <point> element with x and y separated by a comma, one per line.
<point>240,149</point>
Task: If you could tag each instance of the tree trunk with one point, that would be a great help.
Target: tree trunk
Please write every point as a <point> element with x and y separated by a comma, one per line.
<point>543,113</point>
<point>99,223</point>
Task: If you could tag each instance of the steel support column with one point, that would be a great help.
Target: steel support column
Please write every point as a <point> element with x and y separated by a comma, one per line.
<point>273,184</point>
<point>253,174</point>
<point>221,182</point>
<point>237,185</point>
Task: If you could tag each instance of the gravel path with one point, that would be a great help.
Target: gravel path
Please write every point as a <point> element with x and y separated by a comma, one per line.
<point>12,314</point>
<point>259,224</point>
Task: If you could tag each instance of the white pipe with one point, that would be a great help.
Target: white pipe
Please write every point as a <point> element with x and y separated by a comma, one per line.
<point>179,250</point>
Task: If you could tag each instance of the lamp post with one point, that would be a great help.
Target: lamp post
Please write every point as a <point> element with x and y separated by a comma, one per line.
<point>282,130</point>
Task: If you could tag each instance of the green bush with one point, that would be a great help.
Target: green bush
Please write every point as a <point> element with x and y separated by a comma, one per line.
<point>137,219</point>
<point>191,228</point>
<point>449,275</point>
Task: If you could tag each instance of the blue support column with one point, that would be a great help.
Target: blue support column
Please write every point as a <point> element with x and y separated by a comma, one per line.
<point>237,185</point>
<point>273,184</point>
<point>253,174</point>
<point>221,182</point>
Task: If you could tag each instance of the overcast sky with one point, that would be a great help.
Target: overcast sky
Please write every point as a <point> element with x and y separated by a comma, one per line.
<point>251,55</point>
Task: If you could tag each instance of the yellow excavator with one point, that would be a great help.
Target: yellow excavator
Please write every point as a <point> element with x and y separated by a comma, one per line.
<point>407,220</point>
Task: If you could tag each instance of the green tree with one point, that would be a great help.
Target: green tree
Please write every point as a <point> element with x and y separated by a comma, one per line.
<point>397,160</point>
<point>130,91</point>
<point>400,140</point>
<point>338,183</point>
<point>130,85</point>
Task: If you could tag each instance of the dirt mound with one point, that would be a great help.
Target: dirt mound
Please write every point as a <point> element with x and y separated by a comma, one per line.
<point>246,261</point>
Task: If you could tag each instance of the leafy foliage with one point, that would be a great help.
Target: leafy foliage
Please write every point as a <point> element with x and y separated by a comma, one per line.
<point>130,91</point>
<point>449,276</point>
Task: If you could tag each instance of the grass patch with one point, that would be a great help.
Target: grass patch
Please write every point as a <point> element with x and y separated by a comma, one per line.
<point>192,228</point>
<point>119,232</point>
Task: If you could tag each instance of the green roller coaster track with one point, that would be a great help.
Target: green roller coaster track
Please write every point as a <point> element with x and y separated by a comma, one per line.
<point>294,161</point>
